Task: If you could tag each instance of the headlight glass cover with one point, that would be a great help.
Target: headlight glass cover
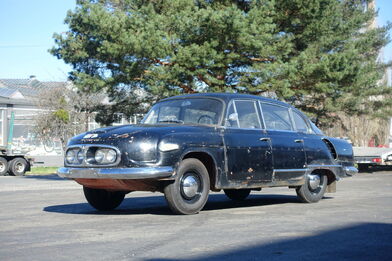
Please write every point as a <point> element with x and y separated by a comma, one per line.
<point>70,156</point>
<point>105,156</point>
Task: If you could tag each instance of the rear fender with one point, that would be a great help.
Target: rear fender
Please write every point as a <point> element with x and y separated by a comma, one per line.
<point>342,149</point>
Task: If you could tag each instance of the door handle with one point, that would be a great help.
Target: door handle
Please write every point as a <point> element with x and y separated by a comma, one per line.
<point>298,141</point>
<point>264,139</point>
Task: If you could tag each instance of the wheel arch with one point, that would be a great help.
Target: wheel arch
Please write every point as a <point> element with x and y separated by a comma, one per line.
<point>208,161</point>
<point>331,177</point>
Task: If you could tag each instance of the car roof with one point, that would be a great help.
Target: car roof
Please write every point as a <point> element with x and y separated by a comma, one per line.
<point>227,97</point>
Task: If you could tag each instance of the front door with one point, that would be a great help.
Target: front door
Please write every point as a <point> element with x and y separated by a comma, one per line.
<point>248,148</point>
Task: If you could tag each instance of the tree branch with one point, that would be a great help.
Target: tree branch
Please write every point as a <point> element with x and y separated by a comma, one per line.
<point>187,89</point>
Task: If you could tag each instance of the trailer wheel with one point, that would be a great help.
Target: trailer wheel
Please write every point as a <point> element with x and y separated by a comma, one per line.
<point>18,166</point>
<point>3,166</point>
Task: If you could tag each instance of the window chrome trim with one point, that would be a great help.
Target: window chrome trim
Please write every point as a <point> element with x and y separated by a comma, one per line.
<point>84,148</point>
<point>232,102</point>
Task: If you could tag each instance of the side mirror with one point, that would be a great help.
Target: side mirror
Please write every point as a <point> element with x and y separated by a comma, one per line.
<point>233,117</point>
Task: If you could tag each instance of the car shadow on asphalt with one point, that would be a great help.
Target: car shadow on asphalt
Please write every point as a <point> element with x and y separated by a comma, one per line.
<point>363,241</point>
<point>157,205</point>
<point>46,177</point>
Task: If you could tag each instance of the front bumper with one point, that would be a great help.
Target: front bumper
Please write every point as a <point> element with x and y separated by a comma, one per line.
<point>116,173</point>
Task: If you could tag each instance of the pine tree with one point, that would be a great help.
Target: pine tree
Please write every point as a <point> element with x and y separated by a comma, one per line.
<point>320,55</point>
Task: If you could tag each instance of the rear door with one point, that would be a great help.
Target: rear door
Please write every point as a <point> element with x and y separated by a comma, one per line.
<point>287,145</point>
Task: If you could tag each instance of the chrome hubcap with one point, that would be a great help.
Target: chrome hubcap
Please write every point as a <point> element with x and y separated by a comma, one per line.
<point>189,186</point>
<point>19,167</point>
<point>2,167</point>
<point>314,181</point>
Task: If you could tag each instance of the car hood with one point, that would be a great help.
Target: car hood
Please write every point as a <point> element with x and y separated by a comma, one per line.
<point>131,131</point>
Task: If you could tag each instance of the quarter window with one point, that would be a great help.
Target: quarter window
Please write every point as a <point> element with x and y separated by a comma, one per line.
<point>276,117</point>
<point>300,123</point>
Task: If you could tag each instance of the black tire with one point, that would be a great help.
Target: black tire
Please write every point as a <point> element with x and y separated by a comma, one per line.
<point>3,166</point>
<point>103,200</point>
<point>18,166</point>
<point>189,192</point>
<point>308,194</point>
<point>237,194</point>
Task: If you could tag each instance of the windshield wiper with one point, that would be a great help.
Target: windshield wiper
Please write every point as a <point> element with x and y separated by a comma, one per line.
<point>171,121</point>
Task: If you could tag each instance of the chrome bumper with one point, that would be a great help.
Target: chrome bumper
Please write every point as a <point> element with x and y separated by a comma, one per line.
<point>351,171</point>
<point>116,173</point>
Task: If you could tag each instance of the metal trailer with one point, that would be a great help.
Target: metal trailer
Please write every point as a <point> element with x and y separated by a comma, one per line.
<point>14,164</point>
<point>367,157</point>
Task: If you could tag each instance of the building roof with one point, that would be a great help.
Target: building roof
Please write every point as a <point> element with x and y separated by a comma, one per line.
<point>9,93</point>
<point>14,91</point>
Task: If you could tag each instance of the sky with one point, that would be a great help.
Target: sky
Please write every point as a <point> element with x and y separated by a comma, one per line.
<point>27,27</point>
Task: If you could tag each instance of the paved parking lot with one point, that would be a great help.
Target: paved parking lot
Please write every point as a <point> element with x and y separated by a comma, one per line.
<point>47,218</point>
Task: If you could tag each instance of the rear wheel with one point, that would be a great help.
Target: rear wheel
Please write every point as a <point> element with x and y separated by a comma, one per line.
<point>314,188</point>
<point>102,199</point>
<point>18,166</point>
<point>237,194</point>
<point>3,166</point>
<point>189,192</point>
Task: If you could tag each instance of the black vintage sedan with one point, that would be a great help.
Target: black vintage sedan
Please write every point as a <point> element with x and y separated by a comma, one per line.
<point>191,144</point>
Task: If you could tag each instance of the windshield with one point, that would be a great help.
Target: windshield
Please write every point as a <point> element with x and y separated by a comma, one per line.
<point>202,111</point>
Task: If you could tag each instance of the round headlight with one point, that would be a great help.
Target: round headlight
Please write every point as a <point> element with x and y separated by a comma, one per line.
<point>70,156</point>
<point>80,156</point>
<point>111,156</point>
<point>99,156</point>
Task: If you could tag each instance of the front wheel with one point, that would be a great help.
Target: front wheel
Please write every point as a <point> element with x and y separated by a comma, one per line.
<point>189,192</point>
<point>102,199</point>
<point>314,188</point>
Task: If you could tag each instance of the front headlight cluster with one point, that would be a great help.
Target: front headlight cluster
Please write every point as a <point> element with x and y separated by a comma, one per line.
<point>91,155</point>
<point>105,156</point>
<point>75,156</point>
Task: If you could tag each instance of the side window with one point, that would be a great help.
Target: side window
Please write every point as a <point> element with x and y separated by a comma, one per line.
<point>232,117</point>
<point>276,117</point>
<point>300,123</point>
<point>248,117</point>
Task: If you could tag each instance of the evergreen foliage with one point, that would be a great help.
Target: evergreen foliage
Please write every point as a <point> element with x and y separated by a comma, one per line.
<point>321,55</point>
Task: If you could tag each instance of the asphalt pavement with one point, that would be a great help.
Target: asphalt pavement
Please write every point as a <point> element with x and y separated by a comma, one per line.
<point>47,218</point>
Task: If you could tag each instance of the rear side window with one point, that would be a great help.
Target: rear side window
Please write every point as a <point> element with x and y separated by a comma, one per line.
<point>276,117</point>
<point>300,123</point>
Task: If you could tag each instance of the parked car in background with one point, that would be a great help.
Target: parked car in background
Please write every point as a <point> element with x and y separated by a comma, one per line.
<point>367,157</point>
<point>188,145</point>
